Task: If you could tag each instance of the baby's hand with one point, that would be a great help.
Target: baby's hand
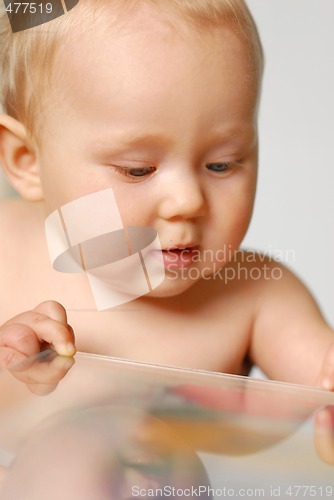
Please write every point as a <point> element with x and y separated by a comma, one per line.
<point>31,332</point>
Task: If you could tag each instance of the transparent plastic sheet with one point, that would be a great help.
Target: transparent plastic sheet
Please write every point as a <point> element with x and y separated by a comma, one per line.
<point>116,429</point>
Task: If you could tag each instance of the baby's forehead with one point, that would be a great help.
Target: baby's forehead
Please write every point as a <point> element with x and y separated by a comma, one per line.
<point>140,40</point>
<point>142,30</point>
<point>119,20</point>
<point>125,82</point>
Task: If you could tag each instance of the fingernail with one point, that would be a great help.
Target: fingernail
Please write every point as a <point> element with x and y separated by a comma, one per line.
<point>327,384</point>
<point>66,350</point>
<point>71,349</point>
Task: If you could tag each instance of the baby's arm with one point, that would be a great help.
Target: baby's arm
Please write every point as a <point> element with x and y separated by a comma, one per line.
<point>290,339</point>
<point>291,342</point>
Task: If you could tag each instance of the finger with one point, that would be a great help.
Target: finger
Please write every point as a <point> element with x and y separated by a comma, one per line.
<point>324,434</point>
<point>55,333</point>
<point>48,380</point>
<point>18,337</point>
<point>47,370</point>
<point>52,309</point>
<point>326,377</point>
<point>10,358</point>
<point>64,336</point>
<point>42,389</point>
<point>22,363</point>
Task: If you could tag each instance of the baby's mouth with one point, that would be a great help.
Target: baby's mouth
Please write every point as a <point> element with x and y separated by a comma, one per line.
<point>180,256</point>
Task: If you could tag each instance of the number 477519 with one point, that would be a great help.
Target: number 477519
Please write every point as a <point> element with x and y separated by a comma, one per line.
<point>28,8</point>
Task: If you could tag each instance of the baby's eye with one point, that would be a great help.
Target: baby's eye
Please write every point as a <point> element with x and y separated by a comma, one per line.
<point>220,166</point>
<point>133,172</point>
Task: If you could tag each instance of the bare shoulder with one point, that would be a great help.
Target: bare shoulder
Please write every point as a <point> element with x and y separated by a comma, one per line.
<point>289,335</point>
<point>243,288</point>
<point>278,294</point>
<point>275,286</point>
<point>266,276</point>
<point>252,275</point>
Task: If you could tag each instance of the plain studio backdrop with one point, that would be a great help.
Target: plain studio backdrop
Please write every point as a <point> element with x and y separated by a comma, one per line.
<point>293,216</point>
<point>295,204</point>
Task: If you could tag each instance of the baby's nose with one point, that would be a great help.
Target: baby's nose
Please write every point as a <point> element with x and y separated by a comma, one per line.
<point>184,197</point>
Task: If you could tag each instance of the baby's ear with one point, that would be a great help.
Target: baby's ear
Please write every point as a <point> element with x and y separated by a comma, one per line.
<point>18,159</point>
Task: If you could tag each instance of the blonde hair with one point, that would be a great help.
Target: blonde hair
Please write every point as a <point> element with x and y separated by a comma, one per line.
<point>26,57</point>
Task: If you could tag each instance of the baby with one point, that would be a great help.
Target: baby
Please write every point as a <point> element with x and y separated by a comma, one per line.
<point>157,100</point>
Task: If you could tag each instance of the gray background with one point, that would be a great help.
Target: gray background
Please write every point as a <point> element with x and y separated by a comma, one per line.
<point>295,204</point>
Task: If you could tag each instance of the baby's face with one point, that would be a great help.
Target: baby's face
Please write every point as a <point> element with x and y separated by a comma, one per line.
<point>166,117</point>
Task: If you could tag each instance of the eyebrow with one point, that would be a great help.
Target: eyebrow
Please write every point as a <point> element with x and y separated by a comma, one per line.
<point>235,131</point>
<point>121,141</point>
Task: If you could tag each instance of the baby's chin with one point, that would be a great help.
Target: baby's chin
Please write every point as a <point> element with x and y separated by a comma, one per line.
<point>172,287</point>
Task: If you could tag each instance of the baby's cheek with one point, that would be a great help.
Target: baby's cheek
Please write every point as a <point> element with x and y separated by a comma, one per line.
<point>241,215</point>
<point>135,209</point>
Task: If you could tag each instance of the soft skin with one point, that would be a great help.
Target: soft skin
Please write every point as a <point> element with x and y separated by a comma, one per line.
<point>174,111</point>
<point>171,127</point>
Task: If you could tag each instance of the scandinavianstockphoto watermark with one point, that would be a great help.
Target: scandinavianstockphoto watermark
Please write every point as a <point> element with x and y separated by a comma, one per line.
<point>228,264</point>
<point>205,491</point>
